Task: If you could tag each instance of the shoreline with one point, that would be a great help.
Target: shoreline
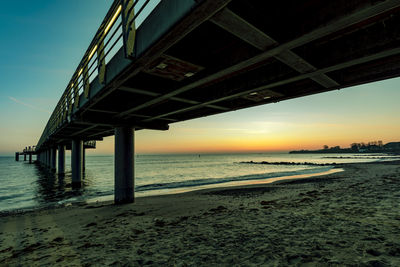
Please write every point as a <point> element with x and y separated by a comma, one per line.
<point>175,190</point>
<point>344,218</point>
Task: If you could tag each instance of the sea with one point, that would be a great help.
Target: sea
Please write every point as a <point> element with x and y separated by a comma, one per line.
<point>25,186</point>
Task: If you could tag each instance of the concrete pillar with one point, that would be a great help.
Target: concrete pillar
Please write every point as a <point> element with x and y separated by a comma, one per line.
<point>47,159</point>
<point>24,157</point>
<point>124,165</point>
<point>16,156</point>
<point>61,159</point>
<point>76,162</point>
<point>30,157</point>
<point>53,154</point>
<point>83,159</point>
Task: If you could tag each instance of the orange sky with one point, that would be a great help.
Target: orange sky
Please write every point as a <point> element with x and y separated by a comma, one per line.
<point>359,114</point>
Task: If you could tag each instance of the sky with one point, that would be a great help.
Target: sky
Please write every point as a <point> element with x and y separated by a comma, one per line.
<point>43,41</point>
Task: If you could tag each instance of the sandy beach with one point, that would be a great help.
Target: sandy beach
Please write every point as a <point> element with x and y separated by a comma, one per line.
<point>349,218</point>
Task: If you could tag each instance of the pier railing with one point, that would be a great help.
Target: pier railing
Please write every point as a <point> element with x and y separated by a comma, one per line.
<point>117,30</point>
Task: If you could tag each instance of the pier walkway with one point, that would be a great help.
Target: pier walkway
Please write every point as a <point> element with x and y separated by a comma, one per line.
<point>195,58</point>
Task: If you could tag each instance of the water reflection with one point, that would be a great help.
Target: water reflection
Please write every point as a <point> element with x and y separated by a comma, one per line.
<point>52,187</point>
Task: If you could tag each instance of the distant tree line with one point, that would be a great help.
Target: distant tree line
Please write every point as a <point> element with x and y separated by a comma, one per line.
<point>373,146</point>
<point>366,146</point>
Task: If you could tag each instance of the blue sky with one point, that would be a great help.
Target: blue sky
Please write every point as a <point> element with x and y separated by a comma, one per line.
<point>41,44</point>
<point>43,41</point>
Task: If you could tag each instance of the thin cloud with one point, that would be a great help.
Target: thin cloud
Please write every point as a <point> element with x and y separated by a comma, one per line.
<point>28,105</point>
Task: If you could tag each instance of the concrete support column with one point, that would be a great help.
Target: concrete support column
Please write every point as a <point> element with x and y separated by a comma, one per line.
<point>48,158</point>
<point>24,157</point>
<point>30,158</point>
<point>83,159</point>
<point>53,154</point>
<point>16,156</point>
<point>124,165</point>
<point>76,162</point>
<point>61,159</point>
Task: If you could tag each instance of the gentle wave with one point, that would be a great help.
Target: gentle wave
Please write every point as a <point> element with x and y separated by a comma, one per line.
<point>209,181</point>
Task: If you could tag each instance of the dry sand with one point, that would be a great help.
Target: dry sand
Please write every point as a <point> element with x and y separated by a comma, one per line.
<point>348,218</point>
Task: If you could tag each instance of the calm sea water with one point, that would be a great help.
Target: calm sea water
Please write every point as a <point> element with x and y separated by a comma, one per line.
<point>24,185</point>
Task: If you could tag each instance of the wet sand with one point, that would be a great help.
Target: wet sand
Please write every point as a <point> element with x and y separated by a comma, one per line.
<point>345,218</point>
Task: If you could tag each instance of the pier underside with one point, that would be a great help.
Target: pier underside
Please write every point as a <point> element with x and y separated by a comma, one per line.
<point>193,59</point>
<point>247,53</point>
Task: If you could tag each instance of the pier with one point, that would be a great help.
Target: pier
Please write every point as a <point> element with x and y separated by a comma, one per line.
<point>191,59</point>
<point>27,151</point>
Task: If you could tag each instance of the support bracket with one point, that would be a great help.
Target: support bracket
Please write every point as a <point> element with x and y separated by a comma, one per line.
<point>128,27</point>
